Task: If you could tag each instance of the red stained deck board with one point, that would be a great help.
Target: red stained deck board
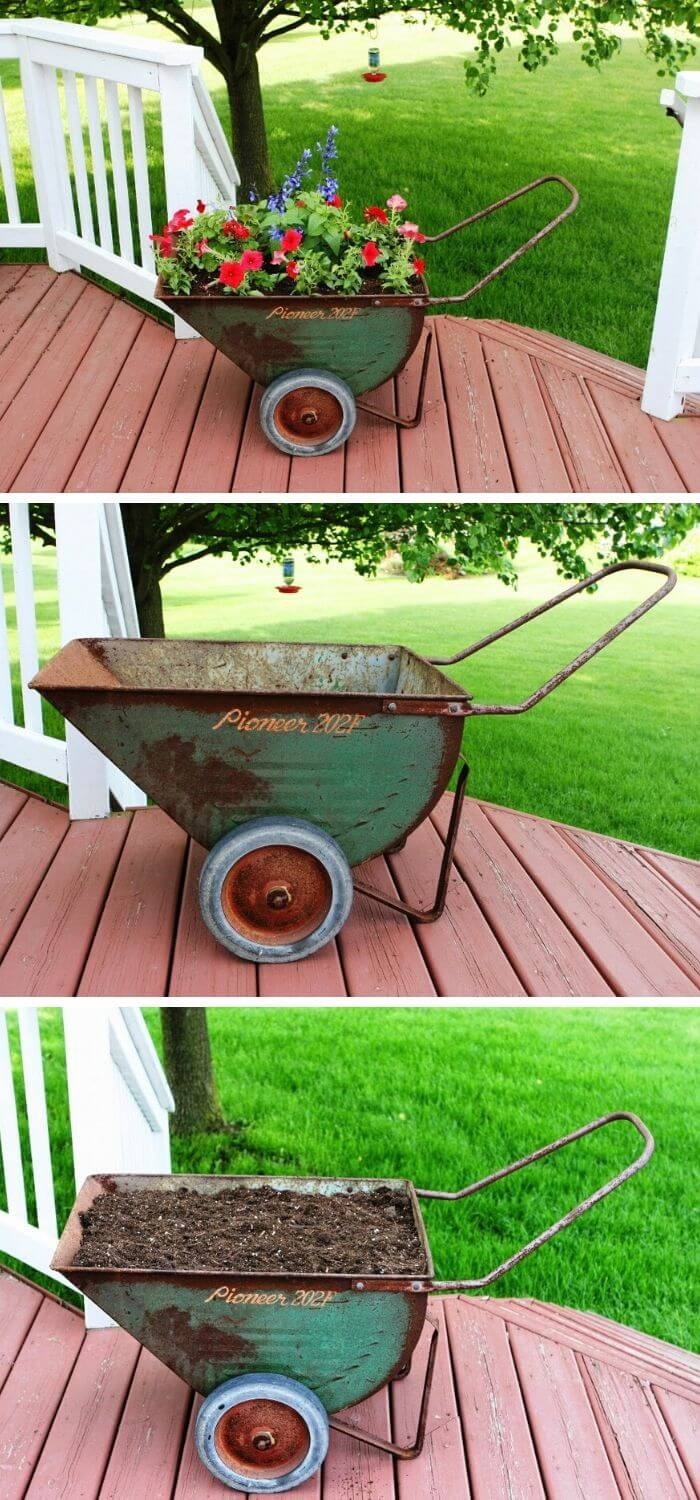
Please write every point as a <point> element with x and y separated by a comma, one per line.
<point>351,1468</point>
<point>19,1305</point>
<point>59,446</point>
<point>261,468</point>
<point>591,461</point>
<point>462,954</point>
<point>317,977</point>
<point>427,463</point>
<point>210,458</point>
<point>500,1452</point>
<point>18,301</point>
<point>682,1418</point>
<point>440,1470</point>
<point>26,851</point>
<point>480,452</point>
<point>372,454</point>
<point>570,1450</point>
<point>12,800</point>
<point>130,953</point>
<point>623,951</point>
<point>145,1453</point>
<point>78,1447</point>
<point>51,946</point>
<point>636,1442</point>
<point>158,454</point>
<point>378,950</point>
<point>533,453</point>
<point>33,1390</point>
<point>681,439</point>
<point>106,454</point>
<point>22,353</point>
<point>201,967</point>
<point>540,946</point>
<point>681,873</point>
<point>194,1482</point>
<point>642,454</point>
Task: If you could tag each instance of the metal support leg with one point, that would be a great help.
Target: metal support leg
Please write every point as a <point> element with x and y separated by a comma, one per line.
<point>416,419</point>
<point>386,1447</point>
<point>432,913</point>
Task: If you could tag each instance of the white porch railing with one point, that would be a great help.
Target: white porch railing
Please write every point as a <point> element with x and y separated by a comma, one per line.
<point>673,371</point>
<point>119,1101</point>
<point>95,597</point>
<point>84,91</point>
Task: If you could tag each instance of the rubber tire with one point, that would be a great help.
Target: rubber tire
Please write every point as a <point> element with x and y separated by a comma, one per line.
<point>255,835</point>
<point>272,1388</point>
<point>282,386</point>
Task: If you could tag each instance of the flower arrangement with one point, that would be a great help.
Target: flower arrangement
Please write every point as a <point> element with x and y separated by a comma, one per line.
<point>299,240</point>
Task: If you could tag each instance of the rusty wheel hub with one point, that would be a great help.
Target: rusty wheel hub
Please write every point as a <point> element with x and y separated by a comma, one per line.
<point>308,414</point>
<point>276,894</point>
<point>262,1437</point>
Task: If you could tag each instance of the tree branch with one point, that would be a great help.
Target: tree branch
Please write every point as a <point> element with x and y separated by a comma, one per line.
<point>179,562</point>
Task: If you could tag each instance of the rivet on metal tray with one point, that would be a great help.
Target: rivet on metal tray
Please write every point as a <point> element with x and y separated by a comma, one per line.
<point>359,1286</point>
<point>453,708</point>
<point>416,1286</point>
<point>391,708</point>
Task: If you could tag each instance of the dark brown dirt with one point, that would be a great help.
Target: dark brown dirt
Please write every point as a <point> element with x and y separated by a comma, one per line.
<point>253,1229</point>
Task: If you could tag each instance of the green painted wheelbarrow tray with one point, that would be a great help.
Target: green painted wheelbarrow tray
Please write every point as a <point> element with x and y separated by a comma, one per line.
<point>314,355</point>
<point>275,1353</point>
<point>290,762</point>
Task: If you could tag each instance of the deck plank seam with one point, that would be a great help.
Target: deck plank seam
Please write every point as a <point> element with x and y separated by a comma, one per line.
<point>138,435</point>
<point>40,353</point>
<point>607,1432</point>
<point>651,485</point>
<point>526,1409</point>
<point>44,872</point>
<point>502,942</point>
<point>38,1456</point>
<point>652,927</point>
<point>178,915</point>
<point>28,313</point>
<point>674,1454</point>
<point>603,431</point>
<point>442,397</point>
<point>17,811</point>
<point>341,966</point>
<point>452,1362</point>
<point>128,813</point>
<point>678,889</point>
<point>660,428</point>
<point>576,480</point>
<point>561,911</point>
<point>194,420</point>
<point>499,417</point>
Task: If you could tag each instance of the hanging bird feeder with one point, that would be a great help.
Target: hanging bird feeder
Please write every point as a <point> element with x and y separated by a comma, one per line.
<point>374,75</point>
<point>288,586</point>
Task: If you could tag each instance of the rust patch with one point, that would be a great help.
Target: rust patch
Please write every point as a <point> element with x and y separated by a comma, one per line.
<point>171,763</point>
<point>169,1331</point>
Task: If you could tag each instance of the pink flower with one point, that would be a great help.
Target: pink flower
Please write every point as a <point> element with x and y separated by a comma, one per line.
<point>252,260</point>
<point>279,258</point>
<point>293,269</point>
<point>397,202</point>
<point>231,273</point>
<point>291,240</point>
<point>411,232</point>
<point>370,253</point>
<point>201,246</point>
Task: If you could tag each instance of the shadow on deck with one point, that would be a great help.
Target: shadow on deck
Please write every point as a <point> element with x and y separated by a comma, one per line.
<point>109,907</point>
<point>529,1400</point>
<point>97,396</point>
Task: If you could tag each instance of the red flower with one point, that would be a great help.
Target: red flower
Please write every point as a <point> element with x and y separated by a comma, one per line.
<point>164,245</point>
<point>201,207</point>
<point>337,201</point>
<point>370,253</point>
<point>411,232</point>
<point>182,219</point>
<point>201,246</point>
<point>418,265</point>
<point>231,273</point>
<point>293,269</point>
<point>291,240</point>
<point>252,260</point>
<point>376,213</point>
<point>238,231</point>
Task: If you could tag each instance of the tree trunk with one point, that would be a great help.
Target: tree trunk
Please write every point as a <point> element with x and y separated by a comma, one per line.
<point>248,124</point>
<point>141,530</point>
<point>188,1064</point>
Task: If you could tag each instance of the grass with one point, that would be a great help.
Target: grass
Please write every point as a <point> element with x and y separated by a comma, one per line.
<point>450,153</point>
<point>612,750</point>
<point>445,1096</point>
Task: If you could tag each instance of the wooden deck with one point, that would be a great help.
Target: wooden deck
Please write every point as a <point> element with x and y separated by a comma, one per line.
<point>529,1401</point>
<point>97,396</point>
<point>109,907</point>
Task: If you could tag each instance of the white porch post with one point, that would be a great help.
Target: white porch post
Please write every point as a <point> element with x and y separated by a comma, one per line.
<point>179,152</point>
<point>674,360</point>
<point>81,613</point>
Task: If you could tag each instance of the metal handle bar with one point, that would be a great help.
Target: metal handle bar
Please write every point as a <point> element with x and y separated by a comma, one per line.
<point>432,239</point>
<point>574,1213</point>
<point>584,656</point>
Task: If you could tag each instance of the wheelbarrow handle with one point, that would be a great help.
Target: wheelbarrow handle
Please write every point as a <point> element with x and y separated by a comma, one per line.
<point>584,656</point>
<point>530,187</point>
<point>574,1213</point>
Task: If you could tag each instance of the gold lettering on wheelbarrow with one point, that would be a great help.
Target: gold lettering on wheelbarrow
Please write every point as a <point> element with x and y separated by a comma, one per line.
<point>335,724</point>
<point>270,1299</point>
<point>315,314</point>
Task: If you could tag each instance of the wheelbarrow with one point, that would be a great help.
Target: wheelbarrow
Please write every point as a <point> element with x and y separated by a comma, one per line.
<point>316,354</point>
<point>291,762</point>
<point>277,1353</point>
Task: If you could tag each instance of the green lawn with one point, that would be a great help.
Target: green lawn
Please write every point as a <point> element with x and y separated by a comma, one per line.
<point>612,750</point>
<point>445,1096</point>
<point>450,153</point>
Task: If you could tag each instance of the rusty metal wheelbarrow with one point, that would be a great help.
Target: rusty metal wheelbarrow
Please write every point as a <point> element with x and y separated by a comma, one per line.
<point>276,1354</point>
<point>290,762</point>
<point>314,355</point>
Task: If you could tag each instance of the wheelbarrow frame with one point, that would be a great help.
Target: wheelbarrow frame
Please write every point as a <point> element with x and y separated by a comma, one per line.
<point>413,1290</point>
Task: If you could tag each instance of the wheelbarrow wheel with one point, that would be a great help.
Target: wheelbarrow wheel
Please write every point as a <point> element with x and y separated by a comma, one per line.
<point>275,889</point>
<point>262,1434</point>
<point>307,412</point>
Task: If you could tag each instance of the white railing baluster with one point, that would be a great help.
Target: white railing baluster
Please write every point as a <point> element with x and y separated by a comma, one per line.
<point>10,1144</point>
<point>99,167</point>
<point>26,614</point>
<point>673,370</point>
<point>142,187</point>
<point>119,177</point>
<point>37,1118</point>
<point>7,170</point>
<point>77,150</point>
<point>7,707</point>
